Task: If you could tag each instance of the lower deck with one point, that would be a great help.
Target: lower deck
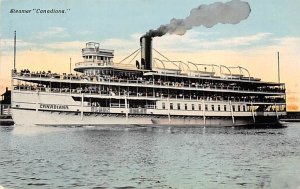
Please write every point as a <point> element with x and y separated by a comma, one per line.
<point>50,118</point>
<point>80,109</point>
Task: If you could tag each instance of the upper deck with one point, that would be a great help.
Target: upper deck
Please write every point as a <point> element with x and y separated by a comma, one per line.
<point>155,80</point>
<point>99,69</point>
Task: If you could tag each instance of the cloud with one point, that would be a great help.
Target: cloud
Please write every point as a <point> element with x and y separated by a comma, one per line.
<point>8,44</point>
<point>293,107</point>
<point>195,41</point>
<point>121,46</point>
<point>292,98</point>
<point>65,46</point>
<point>238,41</point>
<point>53,32</point>
<point>84,32</point>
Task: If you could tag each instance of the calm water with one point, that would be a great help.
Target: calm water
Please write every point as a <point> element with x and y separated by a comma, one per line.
<point>93,157</point>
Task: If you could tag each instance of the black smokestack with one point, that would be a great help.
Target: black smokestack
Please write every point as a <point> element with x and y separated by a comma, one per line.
<point>146,52</point>
<point>206,15</point>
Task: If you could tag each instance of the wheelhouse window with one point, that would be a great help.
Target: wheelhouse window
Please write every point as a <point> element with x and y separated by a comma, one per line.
<point>219,107</point>
<point>171,106</point>
<point>199,106</point>
<point>233,108</point>
<point>178,106</point>
<point>206,107</point>
<point>225,108</point>
<point>185,106</point>
<point>193,107</point>
<point>213,107</point>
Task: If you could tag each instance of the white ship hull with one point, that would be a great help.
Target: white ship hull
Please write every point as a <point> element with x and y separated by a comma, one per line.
<point>32,117</point>
<point>42,108</point>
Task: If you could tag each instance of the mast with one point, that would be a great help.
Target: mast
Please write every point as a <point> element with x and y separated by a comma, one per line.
<point>15,49</point>
<point>70,64</point>
<point>278,67</point>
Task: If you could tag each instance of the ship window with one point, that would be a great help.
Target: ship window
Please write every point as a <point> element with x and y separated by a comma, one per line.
<point>163,105</point>
<point>101,57</point>
<point>193,107</point>
<point>98,57</point>
<point>171,106</point>
<point>206,107</point>
<point>244,108</point>
<point>199,106</point>
<point>219,108</point>
<point>233,108</point>
<point>225,108</point>
<point>185,106</point>
<point>90,57</point>
<point>239,108</point>
<point>213,107</point>
<point>178,106</point>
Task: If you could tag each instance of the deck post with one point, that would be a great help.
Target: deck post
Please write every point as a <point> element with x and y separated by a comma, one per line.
<point>203,109</point>
<point>276,111</point>
<point>231,109</point>
<point>126,108</point>
<point>169,116</point>
<point>82,99</point>
<point>37,103</point>
<point>252,112</point>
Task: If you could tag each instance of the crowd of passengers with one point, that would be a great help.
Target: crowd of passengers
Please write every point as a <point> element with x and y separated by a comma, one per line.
<point>157,94</point>
<point>49,74</point>
<point>132,78</point>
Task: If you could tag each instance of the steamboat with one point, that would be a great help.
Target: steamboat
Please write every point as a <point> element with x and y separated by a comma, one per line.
<point>152,91</point>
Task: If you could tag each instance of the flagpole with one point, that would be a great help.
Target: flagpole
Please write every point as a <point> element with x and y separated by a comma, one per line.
<point>15,49</point>
<point>278,67</point>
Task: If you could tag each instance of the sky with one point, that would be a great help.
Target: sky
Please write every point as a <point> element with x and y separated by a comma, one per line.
<point>46,41</point>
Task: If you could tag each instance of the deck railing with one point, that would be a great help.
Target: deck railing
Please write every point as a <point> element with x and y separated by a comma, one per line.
<point>140,83</point>
<point>146,95</point>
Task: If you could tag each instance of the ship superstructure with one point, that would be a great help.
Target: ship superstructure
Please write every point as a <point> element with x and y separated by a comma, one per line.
<point>150,92</point>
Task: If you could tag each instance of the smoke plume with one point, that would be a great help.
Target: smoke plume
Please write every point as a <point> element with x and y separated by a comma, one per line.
<point>206,15</point>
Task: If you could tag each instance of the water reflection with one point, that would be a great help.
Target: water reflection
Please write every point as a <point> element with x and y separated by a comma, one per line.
<point>149,157</point>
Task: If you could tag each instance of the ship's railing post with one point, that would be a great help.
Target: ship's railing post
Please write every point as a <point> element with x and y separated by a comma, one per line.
<point>203,109</point>
<point>252,112</point>
<point>126,108</point>
<point>231,109</point>
<point>37,101</point>
<point>169,116</point>
<point>82,100</point>
<point>276,111</point>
